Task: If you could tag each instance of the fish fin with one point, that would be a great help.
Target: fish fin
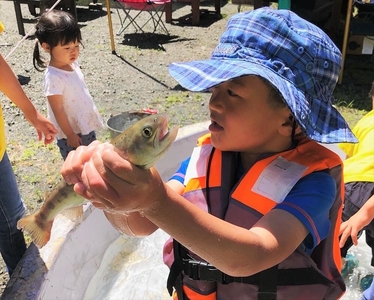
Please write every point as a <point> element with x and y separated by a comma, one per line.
<point>40,232</point>
<point>74,213</point>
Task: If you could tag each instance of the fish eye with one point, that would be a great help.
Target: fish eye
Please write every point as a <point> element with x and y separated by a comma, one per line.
<point>147,131</point>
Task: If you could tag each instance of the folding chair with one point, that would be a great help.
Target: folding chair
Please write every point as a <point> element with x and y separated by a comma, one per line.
<point>132,9</point>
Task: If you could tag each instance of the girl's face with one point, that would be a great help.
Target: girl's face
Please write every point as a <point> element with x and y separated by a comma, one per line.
<point>244,120</point>
<point>63,56</point>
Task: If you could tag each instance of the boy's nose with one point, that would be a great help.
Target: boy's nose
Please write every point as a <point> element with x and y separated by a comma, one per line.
<point>215,102</point>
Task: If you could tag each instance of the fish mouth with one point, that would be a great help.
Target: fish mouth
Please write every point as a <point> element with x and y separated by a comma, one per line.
<point>164,130</point>
<point>165,135</point>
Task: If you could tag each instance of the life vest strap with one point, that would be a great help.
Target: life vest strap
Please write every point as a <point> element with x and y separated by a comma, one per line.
<point>268,282</point>
<point>198,270</point>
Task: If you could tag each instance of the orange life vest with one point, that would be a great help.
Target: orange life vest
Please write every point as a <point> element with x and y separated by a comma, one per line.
<point>300,276</point>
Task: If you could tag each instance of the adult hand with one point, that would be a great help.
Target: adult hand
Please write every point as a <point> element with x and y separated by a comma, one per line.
<point>111,182</point>
<point>72,167</point>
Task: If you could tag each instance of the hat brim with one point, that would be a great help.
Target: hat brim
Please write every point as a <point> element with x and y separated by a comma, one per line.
<point>204,74</point>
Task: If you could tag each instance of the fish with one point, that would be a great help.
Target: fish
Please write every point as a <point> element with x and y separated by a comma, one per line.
<point>143,144</point>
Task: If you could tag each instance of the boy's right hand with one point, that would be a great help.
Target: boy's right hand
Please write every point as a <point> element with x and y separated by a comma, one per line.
<point>73,140</point>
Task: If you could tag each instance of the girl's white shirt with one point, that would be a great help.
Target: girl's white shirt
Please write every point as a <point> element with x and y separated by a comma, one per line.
<point>78,105</point>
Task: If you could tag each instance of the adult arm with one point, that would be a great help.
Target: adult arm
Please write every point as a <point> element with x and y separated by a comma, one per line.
<point>11,87</point>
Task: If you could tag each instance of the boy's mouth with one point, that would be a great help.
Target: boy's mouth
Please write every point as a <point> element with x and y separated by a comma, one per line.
<point>214,126</point>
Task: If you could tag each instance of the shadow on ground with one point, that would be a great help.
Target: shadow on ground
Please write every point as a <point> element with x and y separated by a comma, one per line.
<point>85,14</point>
<point>150,40</point>
<point>207,18</point>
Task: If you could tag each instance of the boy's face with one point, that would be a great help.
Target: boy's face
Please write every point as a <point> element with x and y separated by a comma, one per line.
<point>244,120</point>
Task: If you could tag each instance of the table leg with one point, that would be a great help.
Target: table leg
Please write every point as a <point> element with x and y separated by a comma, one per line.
<point>195,4</point>
<point>217,6</point>
<point>73,8</point>
<point>17,9</point>
<point>168,12</point>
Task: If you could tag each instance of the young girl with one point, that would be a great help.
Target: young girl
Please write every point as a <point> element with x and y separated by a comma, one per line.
<point>70,105</point>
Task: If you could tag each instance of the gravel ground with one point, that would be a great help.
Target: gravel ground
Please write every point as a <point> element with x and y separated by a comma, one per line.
<point>134,77</point>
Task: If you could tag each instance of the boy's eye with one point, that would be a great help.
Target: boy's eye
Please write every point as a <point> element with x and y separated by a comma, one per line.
<point>231,93</point>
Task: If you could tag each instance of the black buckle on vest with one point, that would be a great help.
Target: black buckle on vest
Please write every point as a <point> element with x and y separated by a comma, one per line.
<point>198,270</point>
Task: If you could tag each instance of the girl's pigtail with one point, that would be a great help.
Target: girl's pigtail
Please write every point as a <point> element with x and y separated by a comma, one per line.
<point>39,63</point>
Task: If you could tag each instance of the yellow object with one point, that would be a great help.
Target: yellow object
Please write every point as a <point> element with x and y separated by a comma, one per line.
<point>359,164</point>
<point>1,27</point>
<point>2,135</point>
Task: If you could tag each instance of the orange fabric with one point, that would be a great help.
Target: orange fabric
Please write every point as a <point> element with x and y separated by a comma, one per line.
<point>263,204</point>
<point>309,154</point>
<point>192,295</point>
<point>336,248</point>
<point>195,184</point>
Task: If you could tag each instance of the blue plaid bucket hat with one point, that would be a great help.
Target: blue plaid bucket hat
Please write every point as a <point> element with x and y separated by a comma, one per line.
<point>295,56</point>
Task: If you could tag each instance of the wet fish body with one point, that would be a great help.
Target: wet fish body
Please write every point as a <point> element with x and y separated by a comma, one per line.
<point>143,144</point>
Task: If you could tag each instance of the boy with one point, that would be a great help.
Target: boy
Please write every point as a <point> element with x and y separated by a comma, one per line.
<point>358,212</point>
<point>254,212</point>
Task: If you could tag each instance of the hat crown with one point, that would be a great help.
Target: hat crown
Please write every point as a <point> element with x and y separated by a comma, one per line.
<point>279,39</point>
<point>295,56</point>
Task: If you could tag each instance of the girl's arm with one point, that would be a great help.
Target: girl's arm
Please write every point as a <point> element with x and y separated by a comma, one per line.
<point>357,222</point>
<point>11,87</point>
<point>56,103</point>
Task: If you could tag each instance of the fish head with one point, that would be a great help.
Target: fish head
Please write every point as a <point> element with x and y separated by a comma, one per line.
<point>146,141</point>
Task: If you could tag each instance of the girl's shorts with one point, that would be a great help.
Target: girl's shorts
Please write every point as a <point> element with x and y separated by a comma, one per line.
<point>86,140</point>
<point>355,196</point>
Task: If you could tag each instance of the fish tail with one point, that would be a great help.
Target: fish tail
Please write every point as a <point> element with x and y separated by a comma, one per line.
<point>40,232</point>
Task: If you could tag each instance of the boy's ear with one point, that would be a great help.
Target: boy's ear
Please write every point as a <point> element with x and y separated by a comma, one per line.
<point>46,47</point>
<point>286,128</point>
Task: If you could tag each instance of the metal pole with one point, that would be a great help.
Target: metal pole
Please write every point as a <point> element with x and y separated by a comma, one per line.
<point>345,39</point>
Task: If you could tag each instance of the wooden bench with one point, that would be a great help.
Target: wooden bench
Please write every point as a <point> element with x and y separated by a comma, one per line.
<point>68,5</point>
